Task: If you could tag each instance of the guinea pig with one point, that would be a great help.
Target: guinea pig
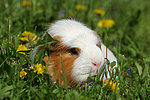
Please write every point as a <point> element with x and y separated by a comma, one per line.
<point>80,48</point>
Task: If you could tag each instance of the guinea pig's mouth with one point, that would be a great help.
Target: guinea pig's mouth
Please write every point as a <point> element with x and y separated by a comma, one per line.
<point>94,73</point>
<point>85,76</point>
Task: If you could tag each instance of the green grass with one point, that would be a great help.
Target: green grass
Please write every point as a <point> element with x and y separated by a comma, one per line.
<point>129,39</point>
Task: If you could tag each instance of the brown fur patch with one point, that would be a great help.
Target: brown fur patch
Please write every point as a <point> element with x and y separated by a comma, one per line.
<point>58,38</point>
<point>58,51</point>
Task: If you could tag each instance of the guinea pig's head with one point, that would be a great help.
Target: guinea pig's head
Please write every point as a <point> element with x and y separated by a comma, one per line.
<point>80,50</point>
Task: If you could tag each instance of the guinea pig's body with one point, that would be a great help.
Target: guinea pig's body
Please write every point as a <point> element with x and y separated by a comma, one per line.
<point>79,47</point>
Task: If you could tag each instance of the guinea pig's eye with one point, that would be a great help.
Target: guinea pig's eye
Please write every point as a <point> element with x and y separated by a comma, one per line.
<point>74,51</point>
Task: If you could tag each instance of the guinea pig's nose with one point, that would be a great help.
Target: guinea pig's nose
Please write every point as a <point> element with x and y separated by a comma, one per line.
<point>96,64</point>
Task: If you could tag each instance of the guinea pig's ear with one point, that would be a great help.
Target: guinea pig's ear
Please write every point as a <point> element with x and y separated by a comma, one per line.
<point>54,47</point>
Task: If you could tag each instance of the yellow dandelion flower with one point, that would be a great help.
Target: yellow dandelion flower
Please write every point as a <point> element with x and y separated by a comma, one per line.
<point>24,39</point>
<point>111,84</point>
<point>31,36</point>
<point>26,3</point>
<point>31,68</point>
<point>21,48</point>
<point>80,7</point>
<point>26,33</point>
<point>28,36</point>
<point>39,69</point>
<point>99,11</point>
<point>106,23</point>
<point>22,73</point>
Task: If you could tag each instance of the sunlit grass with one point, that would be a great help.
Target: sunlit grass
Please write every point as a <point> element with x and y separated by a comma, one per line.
<point>128,38</point>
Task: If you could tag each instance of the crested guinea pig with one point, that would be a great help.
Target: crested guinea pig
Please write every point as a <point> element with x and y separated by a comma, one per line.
<point>80,48</point>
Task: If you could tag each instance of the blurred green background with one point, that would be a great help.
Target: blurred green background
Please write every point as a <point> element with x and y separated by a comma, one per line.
<point>129,39</point>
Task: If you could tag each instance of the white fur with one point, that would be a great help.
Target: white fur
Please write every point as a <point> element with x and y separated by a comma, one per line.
<point>68,30</point>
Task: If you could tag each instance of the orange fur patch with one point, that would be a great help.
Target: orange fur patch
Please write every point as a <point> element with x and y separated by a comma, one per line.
<point>58,51</point>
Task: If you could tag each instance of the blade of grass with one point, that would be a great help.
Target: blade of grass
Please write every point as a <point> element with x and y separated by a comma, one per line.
<point>64,77</point>
<point>4,61</point>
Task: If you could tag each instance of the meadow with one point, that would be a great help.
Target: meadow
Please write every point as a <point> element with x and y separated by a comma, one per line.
<point>128,37</point>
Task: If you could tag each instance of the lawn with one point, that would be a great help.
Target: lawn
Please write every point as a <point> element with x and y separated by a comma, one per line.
<point>128,39</point>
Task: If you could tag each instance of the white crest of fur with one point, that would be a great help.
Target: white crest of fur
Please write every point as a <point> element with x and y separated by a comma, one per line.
<point>68,30</point>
